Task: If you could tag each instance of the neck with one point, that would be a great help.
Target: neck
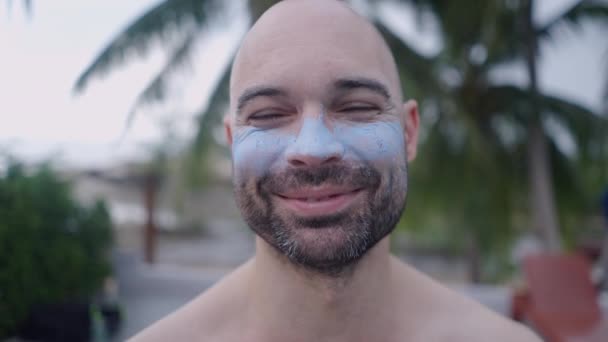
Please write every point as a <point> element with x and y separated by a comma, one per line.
<point>338,305</point>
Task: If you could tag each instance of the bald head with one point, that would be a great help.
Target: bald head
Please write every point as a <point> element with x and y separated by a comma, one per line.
<point>317,111</point>
<point>323,37</point>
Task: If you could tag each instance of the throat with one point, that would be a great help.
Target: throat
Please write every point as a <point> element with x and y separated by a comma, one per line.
<point>290,296</point>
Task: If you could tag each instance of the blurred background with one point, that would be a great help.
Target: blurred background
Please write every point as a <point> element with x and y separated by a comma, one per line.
<point>115,194</point>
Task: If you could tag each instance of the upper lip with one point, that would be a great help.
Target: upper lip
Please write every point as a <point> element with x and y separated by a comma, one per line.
<point>316,192</point>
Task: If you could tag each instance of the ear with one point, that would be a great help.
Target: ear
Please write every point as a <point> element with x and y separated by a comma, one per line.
<point>412,122</point>
<point>228,128</point>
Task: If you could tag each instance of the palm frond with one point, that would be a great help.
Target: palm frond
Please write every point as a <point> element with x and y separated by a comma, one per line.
<point>515,104</point>
<point>157,89</point>
<point>581,122</point>
<point>569,108</point>
<point>411,65</point>
<point>507,99</point>
<point>211,116</point>
<point>160,24</point>
<point>195,171</point>
<point>575,16</point>
<point>513,99</point>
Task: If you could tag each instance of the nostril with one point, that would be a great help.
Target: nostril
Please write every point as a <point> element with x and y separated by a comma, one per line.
<point>301,160</point>
<point>332,159</point>
<point>297,162</point>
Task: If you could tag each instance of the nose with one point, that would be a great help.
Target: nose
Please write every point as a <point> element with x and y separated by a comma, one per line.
<point>315,145</point>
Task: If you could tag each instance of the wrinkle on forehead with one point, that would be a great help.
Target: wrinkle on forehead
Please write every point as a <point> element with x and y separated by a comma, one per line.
<point>325,32</point>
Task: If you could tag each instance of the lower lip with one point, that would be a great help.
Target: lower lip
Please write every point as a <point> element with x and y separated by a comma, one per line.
<point>325,207</point>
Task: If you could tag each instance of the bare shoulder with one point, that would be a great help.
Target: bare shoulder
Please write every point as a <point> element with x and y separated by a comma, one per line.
<point>506,330</point>
<point>201,319</point>
<point>485,325</point>
<point>451,316</point>
<point>466,320</point>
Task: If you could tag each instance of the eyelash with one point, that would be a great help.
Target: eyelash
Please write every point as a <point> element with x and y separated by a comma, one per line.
<point>276,116</point>
<point>359,109</point>
<point>266,117</point>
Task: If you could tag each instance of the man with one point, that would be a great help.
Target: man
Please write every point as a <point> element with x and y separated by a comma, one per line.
<point>320,144</point>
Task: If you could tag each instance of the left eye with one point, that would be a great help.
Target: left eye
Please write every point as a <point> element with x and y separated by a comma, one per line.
<point>270,116</point>
<point>357,109</point>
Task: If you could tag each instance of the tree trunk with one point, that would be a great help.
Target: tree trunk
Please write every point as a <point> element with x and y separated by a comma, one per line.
<point>474,258</point>
<point>540,178</point>
<point>541,188</point>
<point>150,231</point>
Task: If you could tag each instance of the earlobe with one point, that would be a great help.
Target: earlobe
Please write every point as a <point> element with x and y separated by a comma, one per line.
<point>411,124</point>
<point>228,129</point>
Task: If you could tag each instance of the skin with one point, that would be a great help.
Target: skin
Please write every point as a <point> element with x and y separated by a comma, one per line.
<point>291,114</point>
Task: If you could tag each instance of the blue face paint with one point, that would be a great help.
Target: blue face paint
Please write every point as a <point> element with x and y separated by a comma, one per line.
<point>315,141</point>
<point>255,151</point>
<point>373,142</point>
<point>367,158</point>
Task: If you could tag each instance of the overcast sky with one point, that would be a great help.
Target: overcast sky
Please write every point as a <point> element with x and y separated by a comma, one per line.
<point>41,56</point>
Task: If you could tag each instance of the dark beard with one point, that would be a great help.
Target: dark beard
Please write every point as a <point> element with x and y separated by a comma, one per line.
<point>358,229</point>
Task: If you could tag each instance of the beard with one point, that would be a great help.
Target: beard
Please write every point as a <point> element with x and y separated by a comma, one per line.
<point>328,244</point>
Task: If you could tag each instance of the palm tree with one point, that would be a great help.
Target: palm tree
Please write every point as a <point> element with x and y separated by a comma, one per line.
<point>176,24</point>
<point>480,132</point>
<point>494,28</point>
<point>539,164</point>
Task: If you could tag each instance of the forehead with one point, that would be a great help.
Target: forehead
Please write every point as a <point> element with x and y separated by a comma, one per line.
<point>303,66</point>
<point>306,52</point>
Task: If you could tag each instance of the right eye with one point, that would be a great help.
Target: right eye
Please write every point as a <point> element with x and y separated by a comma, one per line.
<point>268,118</point>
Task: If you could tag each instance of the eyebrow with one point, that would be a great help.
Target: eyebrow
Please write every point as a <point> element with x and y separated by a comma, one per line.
<point>258,91</point>
<point>365,83</point>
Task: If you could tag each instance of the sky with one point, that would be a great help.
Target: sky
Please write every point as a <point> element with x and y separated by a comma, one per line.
<point>42,54</point>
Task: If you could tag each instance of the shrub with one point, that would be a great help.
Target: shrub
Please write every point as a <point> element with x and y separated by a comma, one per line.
<point>51,248</point>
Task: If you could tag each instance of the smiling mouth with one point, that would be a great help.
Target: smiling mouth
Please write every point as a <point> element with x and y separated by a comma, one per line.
<point>317,202</point>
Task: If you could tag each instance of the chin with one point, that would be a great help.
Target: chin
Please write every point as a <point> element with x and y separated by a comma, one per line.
<point>326,243</point>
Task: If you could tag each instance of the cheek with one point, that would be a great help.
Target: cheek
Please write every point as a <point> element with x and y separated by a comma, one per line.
<point>255,151</point>
<point>380,143</point>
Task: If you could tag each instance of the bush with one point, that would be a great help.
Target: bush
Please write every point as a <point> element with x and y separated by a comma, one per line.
<point>51,249</point>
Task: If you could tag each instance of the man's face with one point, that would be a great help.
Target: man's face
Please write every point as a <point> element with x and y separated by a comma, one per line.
<point>318,146</point>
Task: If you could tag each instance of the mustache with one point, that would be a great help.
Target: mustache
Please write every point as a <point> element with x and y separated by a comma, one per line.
<point>355,176</point>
